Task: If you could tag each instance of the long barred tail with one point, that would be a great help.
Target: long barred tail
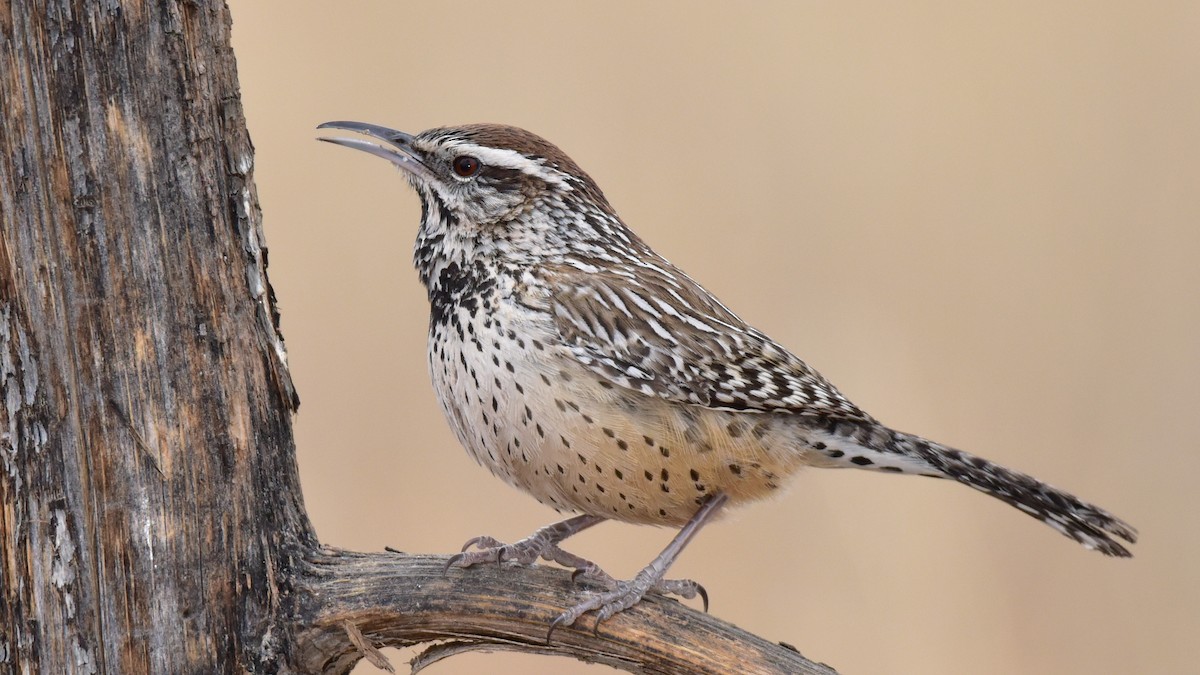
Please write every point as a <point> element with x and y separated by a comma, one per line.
<point>877,447</point>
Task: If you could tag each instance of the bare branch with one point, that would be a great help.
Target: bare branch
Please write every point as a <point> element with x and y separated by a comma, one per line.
<point>404,600</point>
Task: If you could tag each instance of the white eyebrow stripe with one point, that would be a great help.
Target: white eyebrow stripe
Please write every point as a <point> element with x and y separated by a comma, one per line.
<point>509,159</point>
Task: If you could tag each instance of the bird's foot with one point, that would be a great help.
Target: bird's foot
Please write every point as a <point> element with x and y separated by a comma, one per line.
<point>683,588</point>
<point>623,595</point>
<point>540,544</point>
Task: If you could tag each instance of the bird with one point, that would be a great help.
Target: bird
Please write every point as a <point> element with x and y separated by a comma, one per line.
<point>577,364</point>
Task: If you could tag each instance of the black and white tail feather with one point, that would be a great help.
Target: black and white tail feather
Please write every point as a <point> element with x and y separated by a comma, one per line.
<point>874,446</point>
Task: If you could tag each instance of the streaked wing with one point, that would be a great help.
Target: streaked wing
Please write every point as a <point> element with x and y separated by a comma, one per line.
<point>658,332</point>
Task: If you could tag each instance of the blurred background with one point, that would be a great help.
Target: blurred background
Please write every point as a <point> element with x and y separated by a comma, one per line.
<point>980,220</point>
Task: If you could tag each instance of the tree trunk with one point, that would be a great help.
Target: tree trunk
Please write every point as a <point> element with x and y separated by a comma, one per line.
<point>151,501</point>
<point>152,519</point>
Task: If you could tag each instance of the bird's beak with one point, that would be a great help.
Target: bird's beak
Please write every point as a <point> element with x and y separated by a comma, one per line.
<point>401,152</point>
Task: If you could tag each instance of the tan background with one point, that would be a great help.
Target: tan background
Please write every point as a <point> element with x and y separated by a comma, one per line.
<point>982,222</point>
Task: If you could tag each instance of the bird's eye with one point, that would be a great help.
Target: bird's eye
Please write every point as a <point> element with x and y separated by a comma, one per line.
<point>466,166</point>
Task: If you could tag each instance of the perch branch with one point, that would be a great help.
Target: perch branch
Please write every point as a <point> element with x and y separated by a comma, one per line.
<point>402,600</point>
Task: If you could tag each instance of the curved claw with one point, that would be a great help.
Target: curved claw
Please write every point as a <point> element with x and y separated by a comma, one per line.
<point>554,624</point>
<point>703,595</point>
<point>457,557</point>
<point>575,574</point>
<point>470,542</point>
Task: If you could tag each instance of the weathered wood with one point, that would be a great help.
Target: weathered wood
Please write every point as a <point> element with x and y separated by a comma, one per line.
<point>149,488</point>
<point>402,600</point>
<point>151,516</point>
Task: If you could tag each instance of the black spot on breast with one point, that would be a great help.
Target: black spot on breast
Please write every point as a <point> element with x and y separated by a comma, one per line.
<point>861,461</point>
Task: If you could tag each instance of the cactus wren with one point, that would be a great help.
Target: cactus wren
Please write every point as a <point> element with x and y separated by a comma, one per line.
<point>577,364</point>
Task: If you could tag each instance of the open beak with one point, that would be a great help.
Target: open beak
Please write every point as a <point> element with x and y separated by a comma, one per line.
<point>398,151</point>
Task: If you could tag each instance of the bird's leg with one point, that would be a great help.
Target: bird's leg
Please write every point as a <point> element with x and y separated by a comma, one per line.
<point>626,594</point>
<point>544,544</point>
<point>540,544</point>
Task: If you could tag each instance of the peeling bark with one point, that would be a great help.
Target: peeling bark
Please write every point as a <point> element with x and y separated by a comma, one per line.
<point>149,489</point>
